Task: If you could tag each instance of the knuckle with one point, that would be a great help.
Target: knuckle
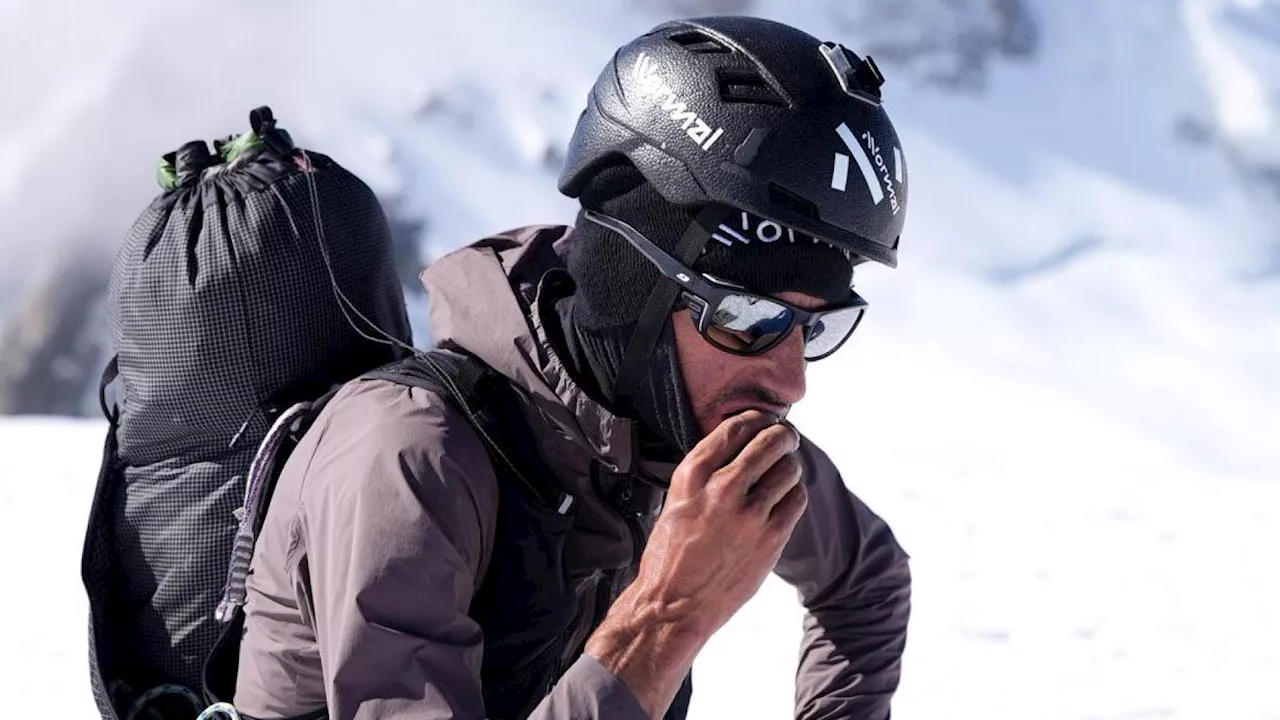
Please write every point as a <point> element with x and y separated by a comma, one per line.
<point>793,465</point>
<point>793,504</point>
<point>802,503</point>
<point>724,488</point>
<point>777,533</point>
<point>682,475</point>
<point>785,473</point>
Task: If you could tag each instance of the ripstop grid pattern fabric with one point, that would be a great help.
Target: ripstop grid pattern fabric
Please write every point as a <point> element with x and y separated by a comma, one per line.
<point>223,310</point>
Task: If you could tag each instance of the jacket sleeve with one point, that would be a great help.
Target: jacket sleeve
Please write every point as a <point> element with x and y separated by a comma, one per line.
<point>853,579</point>
<point>397,536</point>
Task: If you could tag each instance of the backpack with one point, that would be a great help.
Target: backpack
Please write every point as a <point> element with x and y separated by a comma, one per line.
<point>238,312</point>
<point>261,277</point>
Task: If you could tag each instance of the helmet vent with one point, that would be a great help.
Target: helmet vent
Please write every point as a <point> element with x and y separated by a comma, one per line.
<point>783,197</point>
<point>697,41</point>
<point>745,85</point>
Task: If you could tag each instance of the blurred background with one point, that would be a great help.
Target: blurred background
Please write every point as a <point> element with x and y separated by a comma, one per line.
<point>1065,400</point>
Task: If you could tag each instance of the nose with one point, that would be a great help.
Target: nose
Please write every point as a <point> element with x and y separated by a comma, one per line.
<point>785,367</point>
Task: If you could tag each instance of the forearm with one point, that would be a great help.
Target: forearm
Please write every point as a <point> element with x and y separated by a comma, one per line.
<point>649,645</point>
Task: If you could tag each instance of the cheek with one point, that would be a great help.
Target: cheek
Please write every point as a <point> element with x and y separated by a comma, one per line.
<point>702,367</point>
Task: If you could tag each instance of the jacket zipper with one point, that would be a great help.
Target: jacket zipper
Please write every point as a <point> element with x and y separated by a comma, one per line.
<point>606,586</point>
<point>633,519</point>
<point>605,591</point>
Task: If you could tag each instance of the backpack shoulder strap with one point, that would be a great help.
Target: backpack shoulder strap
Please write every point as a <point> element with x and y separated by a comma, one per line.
<point>484,397</point>
<point>491,406</point>
<point>460,378</point>
<point>286,430</point>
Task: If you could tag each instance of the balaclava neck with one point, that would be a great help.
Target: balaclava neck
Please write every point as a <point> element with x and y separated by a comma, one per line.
<point>613,282</point>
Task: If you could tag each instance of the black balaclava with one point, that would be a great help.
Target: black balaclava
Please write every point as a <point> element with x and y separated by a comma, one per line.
<point>613,281</point>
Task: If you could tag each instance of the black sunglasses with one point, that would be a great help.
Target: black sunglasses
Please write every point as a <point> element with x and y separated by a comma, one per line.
<point>737,320</point>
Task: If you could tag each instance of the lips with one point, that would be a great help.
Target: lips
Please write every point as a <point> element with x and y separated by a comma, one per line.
<point>738,407</point>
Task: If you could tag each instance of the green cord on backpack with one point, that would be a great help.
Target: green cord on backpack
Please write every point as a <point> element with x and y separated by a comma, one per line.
<point>175,169</point>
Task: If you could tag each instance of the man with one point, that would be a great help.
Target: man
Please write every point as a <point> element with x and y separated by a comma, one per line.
<point>655,347</point>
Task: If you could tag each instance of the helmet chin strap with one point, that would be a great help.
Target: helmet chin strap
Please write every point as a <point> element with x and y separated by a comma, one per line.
<point>658,307</point>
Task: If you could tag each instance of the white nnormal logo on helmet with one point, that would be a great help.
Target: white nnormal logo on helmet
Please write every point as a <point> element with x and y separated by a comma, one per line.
<point>764,231</point>
<point>645,73</point>
<point>872,164</point>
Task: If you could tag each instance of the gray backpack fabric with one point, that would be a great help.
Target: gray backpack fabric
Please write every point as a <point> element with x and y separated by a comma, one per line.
<point>261,277</point>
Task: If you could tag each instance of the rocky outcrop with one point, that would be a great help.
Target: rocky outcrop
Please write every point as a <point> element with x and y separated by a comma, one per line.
<point>950,43</point>
<point>56,339</point>
<point>407,234</point>
<point>54,342</point>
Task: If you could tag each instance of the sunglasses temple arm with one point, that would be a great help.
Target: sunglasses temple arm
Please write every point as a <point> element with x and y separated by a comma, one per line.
<point>668,265</point>
<point>633,236</point>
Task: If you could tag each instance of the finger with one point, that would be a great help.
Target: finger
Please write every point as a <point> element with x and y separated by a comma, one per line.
<point>789,509</point>
<point>765,449</point>
<point>775,484</point>
<point>722,445</point>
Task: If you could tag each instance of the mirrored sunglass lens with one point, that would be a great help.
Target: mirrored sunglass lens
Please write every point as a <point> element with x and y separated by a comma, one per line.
<point>830,330</point>
<point>751,314</point>
<point>756,320</point>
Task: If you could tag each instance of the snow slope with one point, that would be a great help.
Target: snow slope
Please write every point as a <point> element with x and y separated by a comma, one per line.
<point>1095,578</point>
<point>1065,400</point>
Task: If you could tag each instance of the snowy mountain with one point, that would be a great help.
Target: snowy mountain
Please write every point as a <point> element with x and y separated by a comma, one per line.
<point>1066,399</point>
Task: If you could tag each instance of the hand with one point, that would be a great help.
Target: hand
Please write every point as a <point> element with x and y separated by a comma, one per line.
<point>731,508</point>
<point>732,505</point>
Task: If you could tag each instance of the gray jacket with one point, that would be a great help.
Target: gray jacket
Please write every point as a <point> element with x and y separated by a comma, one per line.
<point>382,524</point>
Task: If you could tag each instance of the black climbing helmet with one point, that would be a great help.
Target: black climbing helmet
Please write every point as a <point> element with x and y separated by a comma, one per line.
<point>755,115</point>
